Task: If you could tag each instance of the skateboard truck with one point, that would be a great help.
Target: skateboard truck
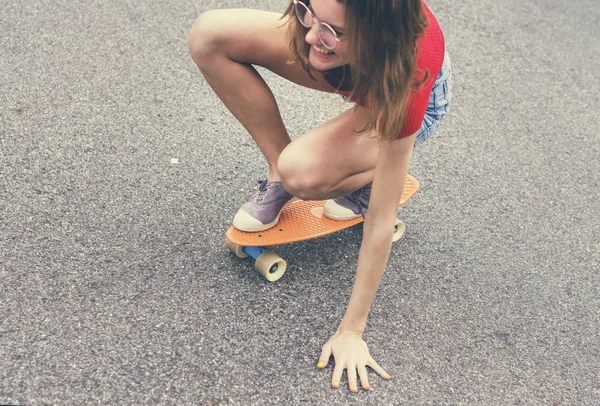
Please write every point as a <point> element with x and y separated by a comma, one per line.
<point>270,265</point>
<point>299,221</point>
<point>267,263</point>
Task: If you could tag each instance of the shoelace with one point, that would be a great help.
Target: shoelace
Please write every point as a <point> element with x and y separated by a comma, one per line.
<point>262,190</point>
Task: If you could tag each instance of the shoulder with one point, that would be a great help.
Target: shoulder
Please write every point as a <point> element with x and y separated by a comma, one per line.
<point>431,46</point>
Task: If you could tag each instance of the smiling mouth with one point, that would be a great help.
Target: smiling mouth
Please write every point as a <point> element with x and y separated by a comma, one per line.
<point>323,51</point>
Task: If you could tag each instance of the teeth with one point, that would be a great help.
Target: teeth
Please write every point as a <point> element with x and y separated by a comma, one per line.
<point>323,50</point>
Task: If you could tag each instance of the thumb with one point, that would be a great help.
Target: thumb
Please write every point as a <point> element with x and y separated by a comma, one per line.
<point>325,355</point>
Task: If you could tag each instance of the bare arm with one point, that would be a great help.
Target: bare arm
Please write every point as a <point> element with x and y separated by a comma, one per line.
<point>388,183</point>
<point>346,345</point>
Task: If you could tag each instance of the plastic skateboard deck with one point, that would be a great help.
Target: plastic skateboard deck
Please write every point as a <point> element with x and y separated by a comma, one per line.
<point>299,221</point>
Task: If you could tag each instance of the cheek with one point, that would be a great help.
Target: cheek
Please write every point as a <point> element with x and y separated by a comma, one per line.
<point>342,50</point>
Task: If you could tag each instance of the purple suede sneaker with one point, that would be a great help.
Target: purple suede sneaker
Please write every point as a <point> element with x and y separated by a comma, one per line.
<point>262,212</point>
<point>350,206</point>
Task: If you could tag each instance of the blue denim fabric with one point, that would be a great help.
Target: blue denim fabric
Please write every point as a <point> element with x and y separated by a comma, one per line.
<point>439,102</point>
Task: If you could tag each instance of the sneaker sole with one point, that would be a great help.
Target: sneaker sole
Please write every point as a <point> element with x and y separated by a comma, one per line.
<point>254,228</point>
<point>334,211</point>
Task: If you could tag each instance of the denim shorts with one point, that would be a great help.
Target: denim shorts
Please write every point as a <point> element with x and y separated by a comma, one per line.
<point>439,103</point>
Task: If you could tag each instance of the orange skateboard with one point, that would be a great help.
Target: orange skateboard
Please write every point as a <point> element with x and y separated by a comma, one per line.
<point>299,221</point>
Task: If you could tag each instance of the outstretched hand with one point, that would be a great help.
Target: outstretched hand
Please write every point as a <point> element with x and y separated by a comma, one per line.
<point>350,352</point>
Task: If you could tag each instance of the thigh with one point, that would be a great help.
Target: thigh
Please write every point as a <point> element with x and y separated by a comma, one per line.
<point>332,159</point>
<point>254,37</point>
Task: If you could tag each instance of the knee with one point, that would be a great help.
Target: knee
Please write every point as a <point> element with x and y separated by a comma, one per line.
<point>203,37</point>
<point>301,180</point>
<point>303,186</point>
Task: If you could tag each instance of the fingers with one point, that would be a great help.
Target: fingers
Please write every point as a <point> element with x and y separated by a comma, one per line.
<point>355,372</point>
<point>375,366</point>
<point>337,375</point>
<point>364,377</point>
<point>353,357</point>
<point>325,355</point>
<point>351,371</point>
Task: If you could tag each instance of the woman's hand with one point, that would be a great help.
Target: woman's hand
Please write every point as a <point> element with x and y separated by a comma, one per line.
<point>351,353</point>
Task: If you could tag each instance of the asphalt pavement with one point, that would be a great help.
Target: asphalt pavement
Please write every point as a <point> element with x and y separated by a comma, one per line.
<point>120,171</point>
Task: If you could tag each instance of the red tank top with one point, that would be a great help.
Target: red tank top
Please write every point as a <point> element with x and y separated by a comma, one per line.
<point>430,57</point>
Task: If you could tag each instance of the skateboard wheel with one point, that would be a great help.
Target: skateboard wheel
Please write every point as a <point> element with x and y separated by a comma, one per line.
<point>399,228</point>
<point>270,265</point>
<point>238,250</point>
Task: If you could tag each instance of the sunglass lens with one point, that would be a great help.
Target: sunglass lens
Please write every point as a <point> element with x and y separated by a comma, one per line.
<point>327,36</point>
<point>303,14</point>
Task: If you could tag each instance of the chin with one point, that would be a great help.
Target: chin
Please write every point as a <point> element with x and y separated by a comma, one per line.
<point>323,64</point>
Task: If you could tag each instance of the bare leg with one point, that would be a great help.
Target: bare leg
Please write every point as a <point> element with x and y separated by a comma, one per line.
<point>331,160</point>
<point>224,44</point>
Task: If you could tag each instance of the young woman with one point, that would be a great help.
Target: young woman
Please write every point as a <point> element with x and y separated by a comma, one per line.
<point>388,57</point>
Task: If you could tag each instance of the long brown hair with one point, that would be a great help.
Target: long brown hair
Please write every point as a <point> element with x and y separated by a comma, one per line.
<point>382,42</point>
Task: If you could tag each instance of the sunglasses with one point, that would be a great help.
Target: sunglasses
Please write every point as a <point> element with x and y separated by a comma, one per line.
<point>327,35</point>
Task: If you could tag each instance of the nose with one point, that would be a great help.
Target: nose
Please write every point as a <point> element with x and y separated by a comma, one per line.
<point>312,36</point>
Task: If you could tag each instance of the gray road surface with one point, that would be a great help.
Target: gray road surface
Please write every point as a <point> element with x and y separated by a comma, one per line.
<point>116,287</point>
